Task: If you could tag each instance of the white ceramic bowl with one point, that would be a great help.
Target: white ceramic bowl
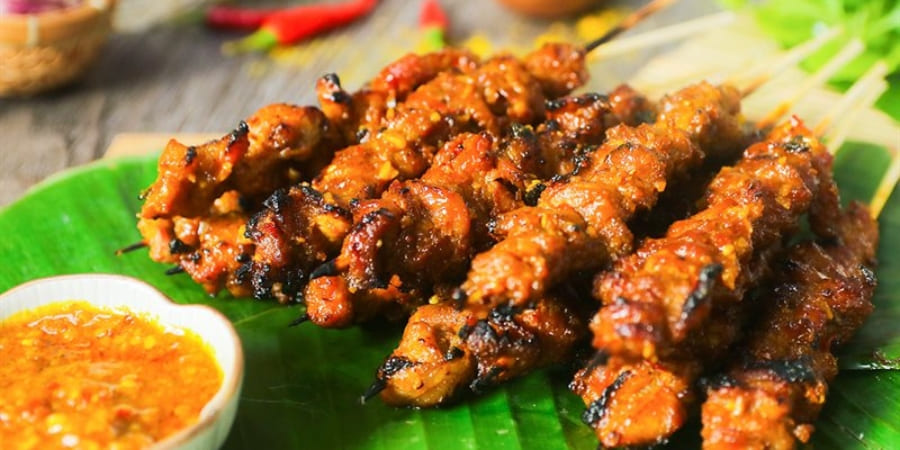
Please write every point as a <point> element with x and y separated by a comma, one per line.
<point>118,291</point>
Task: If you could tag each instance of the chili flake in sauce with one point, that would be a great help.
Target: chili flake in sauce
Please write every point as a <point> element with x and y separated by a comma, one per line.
<point>76,376</point>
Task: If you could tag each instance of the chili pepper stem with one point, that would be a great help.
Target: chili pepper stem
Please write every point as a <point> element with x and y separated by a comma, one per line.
<point>433,39</point>
<point>260,40</point>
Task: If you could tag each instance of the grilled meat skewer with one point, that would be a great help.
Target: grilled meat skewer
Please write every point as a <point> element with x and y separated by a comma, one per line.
<point>578,224</point>
<point>301,228</point>
<point>771,395</point>
<point>673,308</point>
<point>422,233</point>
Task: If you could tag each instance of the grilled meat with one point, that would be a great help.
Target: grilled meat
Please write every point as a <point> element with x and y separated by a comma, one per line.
<point>673,308</point>
<point>422,233</point>
<point>496,95</point>
<point>577,224</point>
<point>773,392</point>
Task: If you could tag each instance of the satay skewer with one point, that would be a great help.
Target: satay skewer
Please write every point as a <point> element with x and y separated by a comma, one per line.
<point>333,299</point>
<point>438,380</point>
<point>216,263</point>
<point>654,341</point>
<point>771,395</point>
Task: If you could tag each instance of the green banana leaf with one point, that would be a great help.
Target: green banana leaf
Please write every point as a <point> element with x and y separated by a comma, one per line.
<point>302,384</point>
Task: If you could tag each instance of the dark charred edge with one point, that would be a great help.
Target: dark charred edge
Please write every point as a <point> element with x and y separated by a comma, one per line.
<point>144,194</point>
<point>532,195</point>
<point>177,247</point>
<point>332,78</point>
<point>599,359</point>
<point>705,283</point>
<point>293,284</point>
<point>338,95</point>
<point>555,104</point>
<point>798,370</point>
<point>484,331</point>
<point>250,231</point>
<point>868,275</point>
<point>551,125</point>
<point>393,365</point>
<point>453,353</point>
<point>796,144</point>
<point>504,313</point>
<point>459,297</point>
<point>328,269</point>
<point>591,97</point>
<point>189,155</point>
<point>278,201</point>
<point>481,382</point>
<point>645,116</point>
<point>242,130</point>
<point>243,271</point>
<point>597,410</point>
<point>464,331</point>
<point>521,131</point>
<point>374,389</point>
<point>131,248</point>
<point>174,270</point>
<point>243,258</point>
<point>716,382</point>
<point>508,185</point>
<point>362,134</point>
<point>259,280</point>
<point>299,320</point>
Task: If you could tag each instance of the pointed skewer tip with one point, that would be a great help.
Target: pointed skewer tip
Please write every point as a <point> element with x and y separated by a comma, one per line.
<point>175,270</point>
<point>299,320</point>
<point>131,248</point>
<point>373,390</point>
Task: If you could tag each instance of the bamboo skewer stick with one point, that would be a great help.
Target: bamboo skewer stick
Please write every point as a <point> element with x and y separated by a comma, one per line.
<point>886,187</point>
<point>630,21</point>
<point>844,56</point>
<point>789,59</point>
<point>664,34</point>
<point>842,129</point>
<point>853,95</point>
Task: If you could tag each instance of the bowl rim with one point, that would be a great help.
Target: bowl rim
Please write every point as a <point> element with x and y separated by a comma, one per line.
<point>47,27</point>
<point>215,407</point>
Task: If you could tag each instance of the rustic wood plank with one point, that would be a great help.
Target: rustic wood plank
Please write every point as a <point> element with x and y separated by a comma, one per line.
<point>174,79</point>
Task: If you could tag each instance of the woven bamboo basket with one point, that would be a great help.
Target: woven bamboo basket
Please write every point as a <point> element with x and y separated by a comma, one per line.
<point>42,51</point>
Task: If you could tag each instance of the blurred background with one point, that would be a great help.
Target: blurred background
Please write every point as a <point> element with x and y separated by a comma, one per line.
<point>164,69</point>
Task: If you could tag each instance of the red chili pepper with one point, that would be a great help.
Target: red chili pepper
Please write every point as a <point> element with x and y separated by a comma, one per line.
<point>433,22</point>
<point>234,18</point>
<point>293,24</point>
<point>432,15</point>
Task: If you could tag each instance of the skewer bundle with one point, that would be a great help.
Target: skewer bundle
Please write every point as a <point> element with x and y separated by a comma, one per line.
<point>482,198</point>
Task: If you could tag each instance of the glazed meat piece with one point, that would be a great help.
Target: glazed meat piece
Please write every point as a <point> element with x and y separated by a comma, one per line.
<point>362,113</point>
<point>438,348</point>
<point>211,248</point>
<point>422,233</point>
<point>275,147</point>
<point>577,224</point>
<point>673,308</point>
<point>772,393</point>
<point>655,297</point>
<point>496,95</point>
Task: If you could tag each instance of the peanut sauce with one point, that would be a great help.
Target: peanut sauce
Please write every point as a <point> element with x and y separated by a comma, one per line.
<point>76,376</point>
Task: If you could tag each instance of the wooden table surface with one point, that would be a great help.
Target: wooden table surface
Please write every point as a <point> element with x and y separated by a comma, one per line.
<point>174,78</point>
